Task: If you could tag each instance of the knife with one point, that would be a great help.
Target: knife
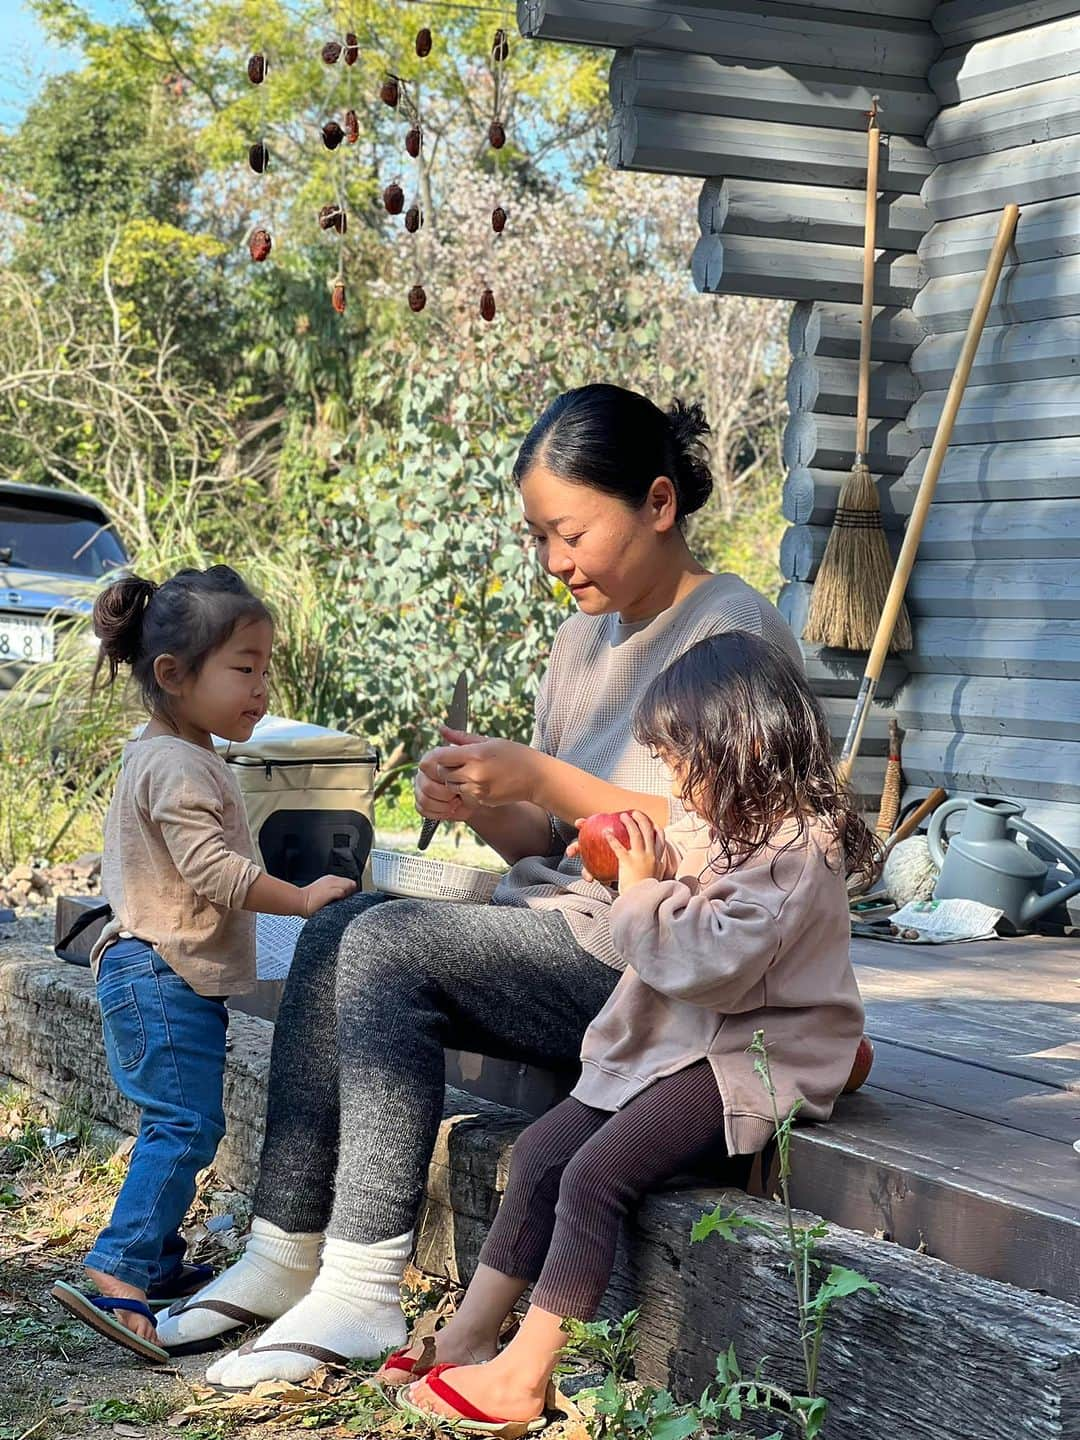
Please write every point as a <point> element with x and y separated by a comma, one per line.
<point>458,719</point>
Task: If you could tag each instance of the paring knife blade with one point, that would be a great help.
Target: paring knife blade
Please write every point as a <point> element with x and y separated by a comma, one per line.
<point>458,719</point>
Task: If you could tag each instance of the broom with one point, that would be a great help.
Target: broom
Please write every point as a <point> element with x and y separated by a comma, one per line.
<point>890,792</point>
<point>855,571</point>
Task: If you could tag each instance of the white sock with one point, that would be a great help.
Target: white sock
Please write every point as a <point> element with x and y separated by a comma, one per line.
<point>353,1310</point>
<point>276,1270</point>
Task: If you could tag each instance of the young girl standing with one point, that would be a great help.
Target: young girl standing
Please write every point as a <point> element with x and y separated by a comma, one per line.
<point>179,873</point>
<point>734,921</point>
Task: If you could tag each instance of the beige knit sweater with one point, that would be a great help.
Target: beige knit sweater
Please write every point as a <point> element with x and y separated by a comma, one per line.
<point>599,669</point>
<point>713,956</point>
<point>178,864</point>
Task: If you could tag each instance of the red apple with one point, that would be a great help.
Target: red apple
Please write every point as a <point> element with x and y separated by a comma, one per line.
<point>597,855</point>
<point>864,1058</point>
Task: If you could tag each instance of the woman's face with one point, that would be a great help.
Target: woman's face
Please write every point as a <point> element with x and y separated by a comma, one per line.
<point>607,555</point>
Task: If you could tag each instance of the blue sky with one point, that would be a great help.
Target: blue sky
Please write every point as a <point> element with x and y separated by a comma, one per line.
<point>26,58</point>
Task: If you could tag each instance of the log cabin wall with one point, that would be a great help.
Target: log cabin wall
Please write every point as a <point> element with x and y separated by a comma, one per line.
<point>979,104</point>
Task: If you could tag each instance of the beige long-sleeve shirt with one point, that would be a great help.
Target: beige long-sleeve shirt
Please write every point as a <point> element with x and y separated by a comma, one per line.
<point>178,863</point>
<point>713,956</point>
<point>600,668</point>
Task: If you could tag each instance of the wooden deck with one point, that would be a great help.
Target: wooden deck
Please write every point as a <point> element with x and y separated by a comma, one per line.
<point>961,1142</point>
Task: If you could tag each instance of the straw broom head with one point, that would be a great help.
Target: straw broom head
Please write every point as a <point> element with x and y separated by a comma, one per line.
<point>890,792</point>
<point>855,573</point>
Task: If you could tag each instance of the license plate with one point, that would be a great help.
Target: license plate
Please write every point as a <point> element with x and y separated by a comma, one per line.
<point>26,640</point>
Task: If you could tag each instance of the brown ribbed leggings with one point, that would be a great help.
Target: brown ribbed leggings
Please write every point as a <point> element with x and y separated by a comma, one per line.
<point>576,1172</point>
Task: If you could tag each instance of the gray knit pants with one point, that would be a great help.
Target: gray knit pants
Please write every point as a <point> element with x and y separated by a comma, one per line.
<point>377,988</point>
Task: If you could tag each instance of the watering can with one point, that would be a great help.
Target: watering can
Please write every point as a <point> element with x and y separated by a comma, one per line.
<point>985,862</point>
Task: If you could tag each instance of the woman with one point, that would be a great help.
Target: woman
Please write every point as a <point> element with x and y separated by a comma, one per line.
<point>378,987</point>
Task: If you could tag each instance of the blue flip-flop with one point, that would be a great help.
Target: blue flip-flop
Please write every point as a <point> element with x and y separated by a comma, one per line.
<point>93,1310</point>
<point>182,1284</point>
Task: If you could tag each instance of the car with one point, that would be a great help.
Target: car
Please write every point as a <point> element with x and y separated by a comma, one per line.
<point>57,549</point>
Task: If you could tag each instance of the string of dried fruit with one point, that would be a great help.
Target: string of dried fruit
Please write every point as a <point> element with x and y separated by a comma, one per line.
<point>334,217</point>
<point>500,53</point>
<point>260,242</point>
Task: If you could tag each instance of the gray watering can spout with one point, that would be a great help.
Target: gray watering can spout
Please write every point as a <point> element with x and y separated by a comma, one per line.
<point>985,862</point>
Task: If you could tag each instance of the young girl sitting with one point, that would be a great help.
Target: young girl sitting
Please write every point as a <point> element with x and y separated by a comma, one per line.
<point>180,876</point>
<point>734,921</point>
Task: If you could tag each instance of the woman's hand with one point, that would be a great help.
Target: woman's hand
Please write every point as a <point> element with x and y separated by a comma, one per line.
<point>474,771</point>
<point>434,798</point>
<point>646,857</point>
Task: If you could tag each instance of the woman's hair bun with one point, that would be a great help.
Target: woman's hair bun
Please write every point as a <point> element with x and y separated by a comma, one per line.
<point>693,474</point>
<point>119,613</point>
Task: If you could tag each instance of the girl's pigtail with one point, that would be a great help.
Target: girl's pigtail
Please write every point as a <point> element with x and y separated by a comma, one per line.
<point>119,613</point>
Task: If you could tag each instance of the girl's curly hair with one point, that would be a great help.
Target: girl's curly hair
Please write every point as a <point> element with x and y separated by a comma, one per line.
<point>739,715</point>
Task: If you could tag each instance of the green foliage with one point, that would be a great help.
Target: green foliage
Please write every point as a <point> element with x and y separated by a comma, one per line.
<point>641,1413</point>
<point>609,1343</point>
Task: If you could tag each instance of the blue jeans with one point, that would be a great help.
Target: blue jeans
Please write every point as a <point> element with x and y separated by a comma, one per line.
<point>166,1050</point>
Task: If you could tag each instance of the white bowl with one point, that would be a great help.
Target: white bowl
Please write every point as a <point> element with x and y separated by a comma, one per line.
<point>415,877</point>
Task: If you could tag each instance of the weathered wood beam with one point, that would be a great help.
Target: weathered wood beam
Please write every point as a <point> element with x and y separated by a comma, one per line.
<point>1041,290</point>
<point>1040,350</point>
<point>829,386</point>
<point>802,547</point>
<point>1024,175</point>
<point>1021,649</point>
<point>875,744</point>
<point>959,22</point>
<point>1045,111</point>
<point>792,94</point>
<point>840,672</point>
<point>974,705</point>
<point>1007,62</point>
<point>678,142</point>
<point>1021,410</point>
<point>809,213</point>
<point>794,270</point>
<point>1009,470</point>
<point>745,29</point>
<point>988,589</point>
<point>824,442</point>
<point>1019,767</point>
<point>817,329</point>
<point>1048,231</point>
<point>811,496</point>
<point>1025,529</point>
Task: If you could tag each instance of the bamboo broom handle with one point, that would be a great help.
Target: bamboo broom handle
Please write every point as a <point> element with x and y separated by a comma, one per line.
<point>862,408</point>
<point>913,535</point>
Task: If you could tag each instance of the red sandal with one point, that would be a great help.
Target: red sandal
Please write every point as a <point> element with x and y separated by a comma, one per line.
<point>409,1367</point>
<point>469,1418</point>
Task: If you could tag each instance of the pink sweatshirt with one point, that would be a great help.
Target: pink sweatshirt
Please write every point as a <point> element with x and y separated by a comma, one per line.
<point>711,957</point>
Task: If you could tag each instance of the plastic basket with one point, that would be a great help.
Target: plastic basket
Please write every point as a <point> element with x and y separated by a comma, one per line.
<point>417,878</point>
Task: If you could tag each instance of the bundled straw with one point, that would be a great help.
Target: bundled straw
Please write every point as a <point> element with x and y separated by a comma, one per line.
<point>890,792</point>
<point>856,569</point>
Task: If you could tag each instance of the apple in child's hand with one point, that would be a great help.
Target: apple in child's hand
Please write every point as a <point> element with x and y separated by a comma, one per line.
<point>864,1058</point>
<point>597,856</point>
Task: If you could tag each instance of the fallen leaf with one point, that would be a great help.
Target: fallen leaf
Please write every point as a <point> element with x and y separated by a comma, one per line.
<point>130,1432</point>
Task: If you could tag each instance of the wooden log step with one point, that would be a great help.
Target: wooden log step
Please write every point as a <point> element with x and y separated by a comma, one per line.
<point>987,589</point>
<point>825,329</point>
<point>1019,767</point>
<point>839,673</point>
<point>1045,111</point>
<point>1022,410</point>
<point>1019,649</point>
<point>977,705</point>
<point>1003,470</point>
<point>1031,529</point>
<point>959,22</point>
<point>813,214</point>
<point>794,270</point>
<point>829,387</point>
<point>1025,175</point>
<point>1048,231</point>
<point>802,548</point>
<point>1042,290</point>
<point>791,94</point>
<point>678,142</point>
<point>871,44</point>
<point>824,442</point>
<point>1024,56</point>
<point>810,497</point>
<point>1039,350</point>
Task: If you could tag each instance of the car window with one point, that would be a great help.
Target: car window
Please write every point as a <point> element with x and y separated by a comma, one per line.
<point>36,536</point>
